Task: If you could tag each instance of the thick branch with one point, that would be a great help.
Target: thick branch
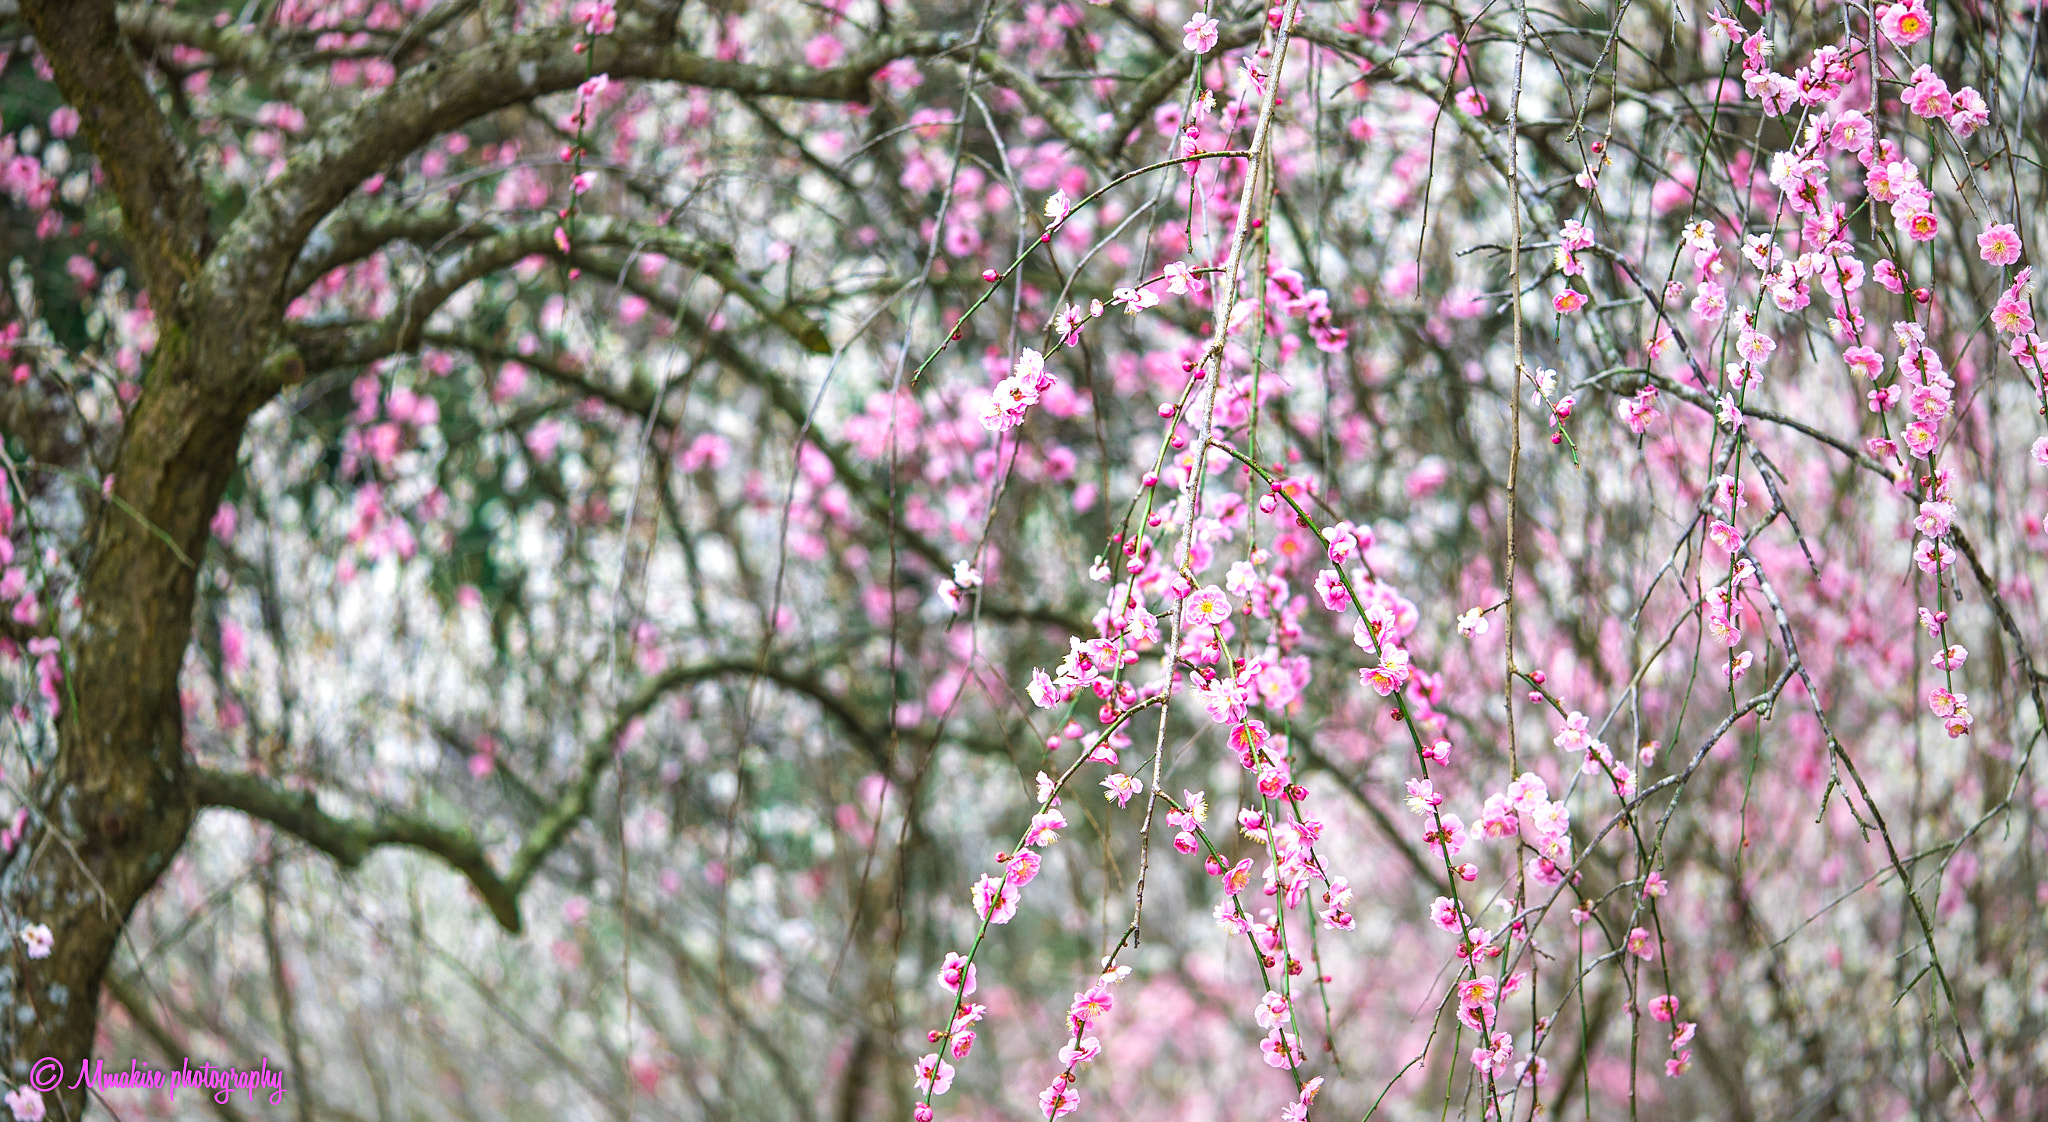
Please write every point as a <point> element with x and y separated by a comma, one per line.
<point>349,841</point>
<point>152,177</point>
<point>152,29</point>
<point>356,231</point>
<point>443,93</point>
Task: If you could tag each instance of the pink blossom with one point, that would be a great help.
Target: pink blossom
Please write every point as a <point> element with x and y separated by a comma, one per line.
<point>1004,406</point>
<point>1905,23</point>
<point>1135,300</point>
<point>934,1075</point>
<point>1919,225</point>
<point>1446,916</point>
<point>1932,556</point>
<point>1330,588</point>
<point>957,975</point>
<point>1181,279</point>
<point>1072,1055</point>
<point>1447,834</point>
<point>1207,607</point>
<point>995,900</point>
<point>1928,96</point>
<point>1495,1056</point>
<point>1281,1049</point>
<point>1200,32</point>
<point>1045,828</point>
<point>1638,413</point>
<point>26,1104</point>
<point>823,51</point>
<point>1091,1005</point>
<point>1710,302</point>
<point>1920,438</point>
<point>1999,244</point>
<point>1390,675</point>
<point>1119,788</point>
<point>2011,316</point>
<point>1934,518</point>
<point>1968,113</point>
<point>1060,1099</point>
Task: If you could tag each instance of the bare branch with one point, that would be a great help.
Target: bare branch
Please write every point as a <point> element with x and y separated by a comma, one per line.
<point>327,347</point>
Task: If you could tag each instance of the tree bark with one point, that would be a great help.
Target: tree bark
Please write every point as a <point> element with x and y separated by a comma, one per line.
<point>113,808</point>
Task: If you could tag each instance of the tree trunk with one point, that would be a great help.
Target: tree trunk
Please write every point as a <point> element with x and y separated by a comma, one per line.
<point>115,806</point>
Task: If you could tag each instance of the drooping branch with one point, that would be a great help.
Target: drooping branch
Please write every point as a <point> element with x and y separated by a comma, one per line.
<point>792,405</point>
<point>1390,66</point>
<point>2024,662</point>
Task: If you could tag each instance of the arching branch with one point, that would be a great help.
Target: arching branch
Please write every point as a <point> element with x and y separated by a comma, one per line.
<point>351,840</point>
<point>358,230</point>
<point>327,347</point>
<point>443,93</point>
